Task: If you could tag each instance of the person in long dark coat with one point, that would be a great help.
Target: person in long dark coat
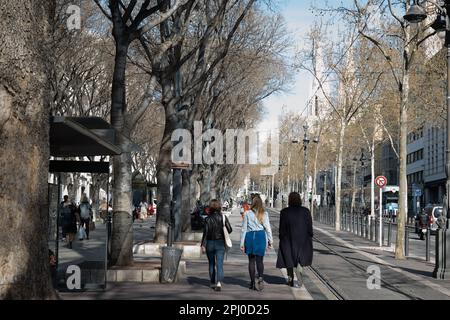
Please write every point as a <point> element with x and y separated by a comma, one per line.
<point>295,232</point>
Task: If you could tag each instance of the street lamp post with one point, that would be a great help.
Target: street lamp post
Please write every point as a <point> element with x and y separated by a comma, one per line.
<point>417,14</point>
<point>306,142</point>
<point>305,164</point>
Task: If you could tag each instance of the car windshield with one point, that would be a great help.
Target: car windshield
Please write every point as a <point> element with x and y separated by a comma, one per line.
<point>437,212</point>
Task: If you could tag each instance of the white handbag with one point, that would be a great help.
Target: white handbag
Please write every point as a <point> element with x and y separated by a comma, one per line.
<point>228,243</point>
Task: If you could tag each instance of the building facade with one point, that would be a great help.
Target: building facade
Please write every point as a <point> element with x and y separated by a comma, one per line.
<point>426,166</point>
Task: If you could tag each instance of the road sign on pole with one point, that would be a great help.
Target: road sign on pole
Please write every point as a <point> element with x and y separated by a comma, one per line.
<point>381,182</point>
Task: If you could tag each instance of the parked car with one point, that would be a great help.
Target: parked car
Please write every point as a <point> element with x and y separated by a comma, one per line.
<point>433,212</point>
<point>428,218</point>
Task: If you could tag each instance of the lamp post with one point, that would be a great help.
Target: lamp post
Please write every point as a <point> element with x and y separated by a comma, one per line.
<point>306,142</point>
<point>305,165</point>
<point>417,14</point>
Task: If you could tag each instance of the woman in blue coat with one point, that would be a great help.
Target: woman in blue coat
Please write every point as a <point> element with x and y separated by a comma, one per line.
<point>296,232</point>
<point>255,238</point>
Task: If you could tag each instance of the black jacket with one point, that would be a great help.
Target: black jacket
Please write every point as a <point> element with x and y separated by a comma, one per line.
<point>213,229</point>
<point>296,234</point>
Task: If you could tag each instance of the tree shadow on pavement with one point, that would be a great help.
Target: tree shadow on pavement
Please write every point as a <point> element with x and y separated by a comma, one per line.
<point>425,273</point>
<point>200,281</point>
<point>274,279</point>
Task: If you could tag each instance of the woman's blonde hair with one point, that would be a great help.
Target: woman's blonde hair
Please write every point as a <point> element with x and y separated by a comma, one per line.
<point>258,209</point>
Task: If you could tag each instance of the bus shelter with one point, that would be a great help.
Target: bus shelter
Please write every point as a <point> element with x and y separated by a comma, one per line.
<point>84,266</point>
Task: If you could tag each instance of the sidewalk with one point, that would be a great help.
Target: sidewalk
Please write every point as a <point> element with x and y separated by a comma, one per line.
<point>194,285</point>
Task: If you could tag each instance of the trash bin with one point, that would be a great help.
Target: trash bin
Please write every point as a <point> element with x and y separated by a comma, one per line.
<point>171,257</point>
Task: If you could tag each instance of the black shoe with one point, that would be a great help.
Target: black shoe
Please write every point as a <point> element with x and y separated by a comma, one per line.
<point>260,284</point>
<point>290,282</point>
<point>252,286</point>
<point>70,245</point>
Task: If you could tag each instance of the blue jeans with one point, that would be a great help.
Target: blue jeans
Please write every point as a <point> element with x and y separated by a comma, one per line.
<point>215,249</point>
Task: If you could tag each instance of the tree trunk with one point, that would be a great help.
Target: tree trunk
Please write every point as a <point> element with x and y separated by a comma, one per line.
<point>339,175</point>
<point>213,183</point>
<point>403,196</point>
<point>122,231</point>
<point>24,127</point>
<point>164,174</point>
<point>204,185</point>
<point>193,188</point>
<point>186,203</point>
<point>314,186</point>
<point>122,228</point>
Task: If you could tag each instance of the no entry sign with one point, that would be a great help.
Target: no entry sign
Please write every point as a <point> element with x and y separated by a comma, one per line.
<point>381,181</point>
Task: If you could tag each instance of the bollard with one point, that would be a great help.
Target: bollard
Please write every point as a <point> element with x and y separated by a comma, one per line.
<point>375,230</point>
<point>353,223</point>
<point>364,226</point>
<point>389,233</point>
<point>357,225</point>
<point>406,241</point>
<point>382,233</point>
<point>427,245</point>
<point>367,227</point>
<point>372,229</point>
<point>361,226</point>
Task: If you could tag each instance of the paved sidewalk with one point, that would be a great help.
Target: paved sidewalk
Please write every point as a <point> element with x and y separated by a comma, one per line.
<point>194,285</point>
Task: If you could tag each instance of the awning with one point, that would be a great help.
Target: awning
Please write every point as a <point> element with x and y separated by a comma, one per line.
<point>82,136</point>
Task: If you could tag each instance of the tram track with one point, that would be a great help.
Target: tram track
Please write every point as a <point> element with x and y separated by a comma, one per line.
<point>408,294</point>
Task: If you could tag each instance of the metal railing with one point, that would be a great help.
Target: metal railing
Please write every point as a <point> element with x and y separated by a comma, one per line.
<point>367,227</point>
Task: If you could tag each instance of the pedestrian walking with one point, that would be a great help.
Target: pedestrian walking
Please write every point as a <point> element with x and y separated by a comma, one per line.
<point>244,208</point>
<point>68,220</point>
<point>256,236</point>
<point>213,242</point>
<point>85,211</point>
<point>295,232</point>
<point>143,210</point>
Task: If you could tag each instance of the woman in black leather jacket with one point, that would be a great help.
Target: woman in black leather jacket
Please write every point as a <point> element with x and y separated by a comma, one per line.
<point>213,242</point>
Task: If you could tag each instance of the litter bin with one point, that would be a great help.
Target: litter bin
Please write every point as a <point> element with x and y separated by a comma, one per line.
<point>171,257</point>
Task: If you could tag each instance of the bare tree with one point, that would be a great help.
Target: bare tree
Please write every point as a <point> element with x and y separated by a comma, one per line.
<point>354,85</point>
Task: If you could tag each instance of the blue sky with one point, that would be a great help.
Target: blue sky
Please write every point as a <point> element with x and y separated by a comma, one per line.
<point>299,20</point>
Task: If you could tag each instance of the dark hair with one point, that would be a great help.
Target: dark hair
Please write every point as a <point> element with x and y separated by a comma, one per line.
<point>294,200</point>
<point>215,206</point>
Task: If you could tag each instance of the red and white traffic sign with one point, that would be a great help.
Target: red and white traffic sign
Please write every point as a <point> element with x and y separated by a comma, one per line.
<point>381,181</point>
